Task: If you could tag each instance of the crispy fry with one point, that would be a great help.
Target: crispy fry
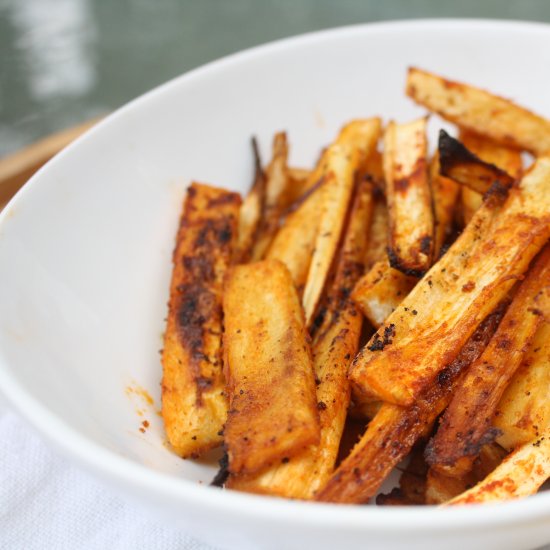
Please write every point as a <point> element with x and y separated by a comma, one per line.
<point>276,188</point>
<point>467,423</point>
<point>480,112</point>
<point>445,194</point>
<point>443,309</point>
<point>251,210</point>
<point>411,224</point>
<point>520,475</point>
<point>295,241</point>
<point>504,157</point>
<point>268,367</point>
<point>463,166</point>
<point>394,430</point>
<point>334,345</point>
<point>524,409</point>
<point>193,405</point>
<point>380,291</point>
<point>358,139</point>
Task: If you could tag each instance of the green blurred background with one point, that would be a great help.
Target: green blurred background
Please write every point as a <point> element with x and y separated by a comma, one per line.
<point>65,61</point>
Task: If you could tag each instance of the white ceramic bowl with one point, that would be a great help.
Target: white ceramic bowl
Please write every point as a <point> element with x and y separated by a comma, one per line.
<point>85,253</point>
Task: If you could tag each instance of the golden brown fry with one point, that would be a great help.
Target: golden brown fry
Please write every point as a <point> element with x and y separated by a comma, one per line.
<point>504,157</point>
<point>445,194</point>
<point>411,224</point>
<point>295,241</point>
<point>251,210</point>
<point>193,405</point>
<point>524,409</point>
<point>380,291</point>
<point>467,422</point>
<point>480,112</point>
<point>394,430</point>
<point>335,344</point>
<point>521,474</point>
<point>272,403</point>
<point>441,312</point>
<point>463,166</point>
<point>277,184</point>
<point>358,140</point>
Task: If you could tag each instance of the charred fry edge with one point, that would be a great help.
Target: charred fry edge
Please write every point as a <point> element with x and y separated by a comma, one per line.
<point>455,159</point>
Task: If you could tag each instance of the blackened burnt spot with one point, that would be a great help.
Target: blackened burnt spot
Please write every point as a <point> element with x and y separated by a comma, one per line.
<point>223,473</point>
<point>498,191</point>
<point>396,263</point>
<point>378,344</point>
<point>200,268</point>
<point>224,234</point>
<point>426,245</point>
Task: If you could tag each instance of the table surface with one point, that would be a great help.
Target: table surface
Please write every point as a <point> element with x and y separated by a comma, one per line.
<point>66,61</point>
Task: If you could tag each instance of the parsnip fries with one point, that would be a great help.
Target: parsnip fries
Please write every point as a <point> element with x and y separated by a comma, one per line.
<point>385,304</point>
<point>194,406</point>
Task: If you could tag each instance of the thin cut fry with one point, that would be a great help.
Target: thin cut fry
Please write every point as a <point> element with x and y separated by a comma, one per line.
<point>524,409</point>
<point>480,112</point>
<point>268,367</point>
<point>411,224</point>
<point>276,189</point>
<point>521,474</point>
<point>380,291</point>
<point>445,194</point>
<point>394,430</point>
<point>335,344</point>
<point>251,210</point>
<point>504,157</point>
<point>463,166</point>
<point>467,422</point>
<point>342,161</point>
<point>295,241</point>
<point>444,308</point>
<point>194,408</point>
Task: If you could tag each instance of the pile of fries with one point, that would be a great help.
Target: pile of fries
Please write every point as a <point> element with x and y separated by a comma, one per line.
<point>385,304</point>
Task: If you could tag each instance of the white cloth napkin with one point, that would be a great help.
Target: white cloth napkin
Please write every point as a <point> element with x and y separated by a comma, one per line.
<point>47,503</point>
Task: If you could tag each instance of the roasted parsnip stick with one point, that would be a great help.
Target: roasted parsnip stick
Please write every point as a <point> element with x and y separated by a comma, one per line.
<point>251,210</point>
<point>268,367</point>
<point>193,404</point>
<point>342,161</point>
<point>479,111</point>
<point>524,409</point>
<point>277,184</point>
<point>467,423</point>
<point>411,223</point>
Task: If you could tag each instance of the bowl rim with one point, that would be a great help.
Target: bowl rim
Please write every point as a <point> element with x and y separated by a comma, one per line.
<point>93,456</point>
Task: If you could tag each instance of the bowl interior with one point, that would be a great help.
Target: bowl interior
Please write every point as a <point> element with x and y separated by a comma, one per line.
<point>86,246</point>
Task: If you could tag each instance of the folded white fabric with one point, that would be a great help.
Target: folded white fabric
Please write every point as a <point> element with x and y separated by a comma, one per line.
<point>47,503</point>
